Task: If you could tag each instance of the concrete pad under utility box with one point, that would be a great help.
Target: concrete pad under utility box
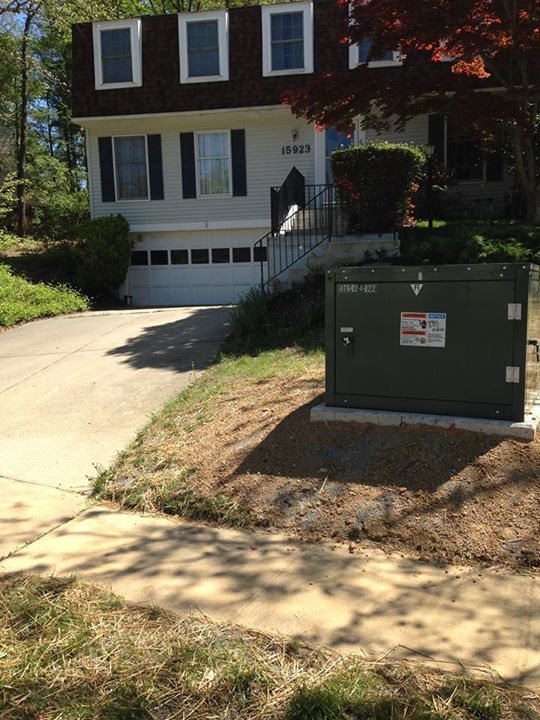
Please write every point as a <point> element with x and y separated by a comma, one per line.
<point>525,430</point>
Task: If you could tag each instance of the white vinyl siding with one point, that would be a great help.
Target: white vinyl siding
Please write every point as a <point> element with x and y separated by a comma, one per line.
<point>267,132</point>
<point>416,131</point>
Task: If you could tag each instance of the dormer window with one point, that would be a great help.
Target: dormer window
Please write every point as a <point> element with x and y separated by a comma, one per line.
<point>117,54</point>
<point>360,54</point>
<point>287,39</point>
<point>204,46</point>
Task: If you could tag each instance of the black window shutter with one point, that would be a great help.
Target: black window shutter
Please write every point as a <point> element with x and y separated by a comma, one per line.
<point>436,136</point>
<point>494,167</point>
<point>155,167</point>
<point>106,169</point>
<point>238,150</point>
<point>187,154</point>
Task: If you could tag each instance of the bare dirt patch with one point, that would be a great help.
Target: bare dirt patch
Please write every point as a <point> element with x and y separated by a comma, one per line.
<point>437,494</point>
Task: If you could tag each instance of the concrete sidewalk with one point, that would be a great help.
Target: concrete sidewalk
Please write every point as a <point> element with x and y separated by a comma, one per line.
<point>366,601</point>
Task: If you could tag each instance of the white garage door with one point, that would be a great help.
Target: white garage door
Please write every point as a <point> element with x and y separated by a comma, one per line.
<point>214,271</point>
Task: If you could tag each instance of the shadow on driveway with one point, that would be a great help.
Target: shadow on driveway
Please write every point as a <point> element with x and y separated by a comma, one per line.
<point>180,345</point>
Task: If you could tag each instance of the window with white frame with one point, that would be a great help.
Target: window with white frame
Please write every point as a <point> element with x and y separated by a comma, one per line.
<point>117,54</point>
<point>204,46</point>
<point>131,167</point>
<point>213,163</point>
<point>360,54</point>
<point>287,32</point>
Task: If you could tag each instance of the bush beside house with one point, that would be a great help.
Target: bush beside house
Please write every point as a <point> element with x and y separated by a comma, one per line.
<point>378,182</point>
<point>102,254</point>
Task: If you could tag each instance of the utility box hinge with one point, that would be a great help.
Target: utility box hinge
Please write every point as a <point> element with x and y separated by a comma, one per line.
<point>514,311</point>
<point>512,374</point>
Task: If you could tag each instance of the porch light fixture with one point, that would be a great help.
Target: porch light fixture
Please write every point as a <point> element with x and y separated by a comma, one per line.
<point>294,134</point>
<point>429,150</point>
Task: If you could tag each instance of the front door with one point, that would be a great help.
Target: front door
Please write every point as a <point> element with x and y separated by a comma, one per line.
<point>335,140</point>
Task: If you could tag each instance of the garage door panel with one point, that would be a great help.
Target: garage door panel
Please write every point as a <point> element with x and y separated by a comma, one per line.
<point>222,276</point>
<point>160,278</point>
<point>139,277</point>
<point>240,291</point>
<point>180,278</point>
<point>242,275</point>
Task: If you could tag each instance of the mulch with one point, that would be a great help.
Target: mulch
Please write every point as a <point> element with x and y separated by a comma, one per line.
<point>430,493</point>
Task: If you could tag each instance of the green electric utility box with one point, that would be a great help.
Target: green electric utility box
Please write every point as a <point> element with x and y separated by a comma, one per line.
<point>453,340</point>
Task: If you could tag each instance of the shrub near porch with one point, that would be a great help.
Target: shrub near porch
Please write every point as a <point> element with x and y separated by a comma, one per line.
<point>378,182</point>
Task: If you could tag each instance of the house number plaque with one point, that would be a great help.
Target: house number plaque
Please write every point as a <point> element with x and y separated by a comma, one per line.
<point>295,149</point>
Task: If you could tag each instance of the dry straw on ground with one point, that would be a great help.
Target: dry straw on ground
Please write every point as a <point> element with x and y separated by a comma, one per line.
<point>71,650</point>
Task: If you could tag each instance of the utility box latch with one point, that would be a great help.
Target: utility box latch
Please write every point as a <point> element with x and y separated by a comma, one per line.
<point>512,374</point>
<point>514,311</point>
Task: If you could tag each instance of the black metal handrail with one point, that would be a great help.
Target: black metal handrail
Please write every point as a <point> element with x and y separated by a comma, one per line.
<point>317,220</point>
<point>303,217</point>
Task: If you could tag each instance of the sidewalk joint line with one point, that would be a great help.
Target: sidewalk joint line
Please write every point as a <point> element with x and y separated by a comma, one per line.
<point>26,544</point>
<point>33,483</point>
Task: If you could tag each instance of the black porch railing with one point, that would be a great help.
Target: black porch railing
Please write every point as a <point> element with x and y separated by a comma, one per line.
<point>303,217</point>
<point>298,228</point>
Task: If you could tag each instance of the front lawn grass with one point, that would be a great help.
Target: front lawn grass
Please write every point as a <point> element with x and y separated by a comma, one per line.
<point>148,477</point>
<point>72,651</point>
<point>280,336</point>
<point>21,300</point>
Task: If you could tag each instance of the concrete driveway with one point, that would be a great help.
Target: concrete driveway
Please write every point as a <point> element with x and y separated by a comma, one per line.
<point>74,391</point>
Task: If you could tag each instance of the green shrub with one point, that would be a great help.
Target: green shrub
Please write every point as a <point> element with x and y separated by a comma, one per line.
<point>378,182</point>
<point>102,253</point>
<point>471,242</point>
<point>250,317</point>
<point>293,317</point>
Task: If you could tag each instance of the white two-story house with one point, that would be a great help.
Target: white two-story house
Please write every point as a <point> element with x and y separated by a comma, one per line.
<point>186,133</point>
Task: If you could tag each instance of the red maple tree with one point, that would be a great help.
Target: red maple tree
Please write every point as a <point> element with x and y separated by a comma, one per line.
<point>475,61</point>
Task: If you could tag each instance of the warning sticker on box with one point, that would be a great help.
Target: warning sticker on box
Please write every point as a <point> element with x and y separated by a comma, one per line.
<point>423,329</point>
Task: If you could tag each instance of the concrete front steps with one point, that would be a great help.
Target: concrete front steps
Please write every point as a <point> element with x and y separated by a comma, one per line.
<point>343,250</point>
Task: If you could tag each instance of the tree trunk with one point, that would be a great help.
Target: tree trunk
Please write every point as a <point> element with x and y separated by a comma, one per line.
<point>526,171</point>
<point>532,216</point>
<point>23,127</point>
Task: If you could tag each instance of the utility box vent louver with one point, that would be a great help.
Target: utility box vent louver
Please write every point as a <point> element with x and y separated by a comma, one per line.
<point>434,339</point>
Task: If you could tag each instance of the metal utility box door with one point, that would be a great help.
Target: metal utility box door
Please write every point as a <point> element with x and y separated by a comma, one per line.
<point>455,340</point>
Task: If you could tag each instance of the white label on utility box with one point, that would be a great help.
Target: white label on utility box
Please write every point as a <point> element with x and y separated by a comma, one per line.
<point>423,329</point>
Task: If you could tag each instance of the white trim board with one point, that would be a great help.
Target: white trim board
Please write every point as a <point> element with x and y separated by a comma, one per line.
<point>255,224</point>
<point>144,116</point>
